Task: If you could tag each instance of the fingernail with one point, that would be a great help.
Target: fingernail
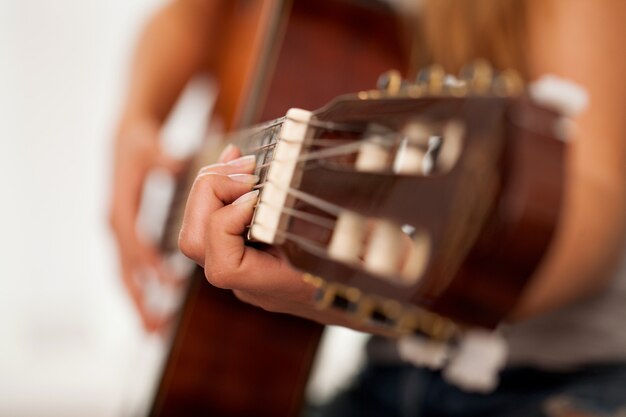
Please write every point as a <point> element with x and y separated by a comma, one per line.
<point>242,162</point>
<point>209,168</point>
<point>252,195</point>
<point>227,151</point>
<point>244,178</point>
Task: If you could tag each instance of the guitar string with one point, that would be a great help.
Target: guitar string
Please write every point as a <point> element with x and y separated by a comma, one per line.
<point>317,202</point>
<point>304,243</point>
<point>341,150</point>
<point>349,147</point>
<point>310,199</point>
<point>318,220</point>
<point>322,142</point>
<point>327,206</point>
<point>310,246</point>
<point>245,135</point>
<point>314,142</point>
<point>269,133</point>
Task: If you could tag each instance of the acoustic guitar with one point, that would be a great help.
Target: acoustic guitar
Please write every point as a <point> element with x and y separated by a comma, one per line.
<point>423,207</point>
<point>420,207</point>
<point>228,358</point>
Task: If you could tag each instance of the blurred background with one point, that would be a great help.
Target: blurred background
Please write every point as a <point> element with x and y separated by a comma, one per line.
<point>71,343</point>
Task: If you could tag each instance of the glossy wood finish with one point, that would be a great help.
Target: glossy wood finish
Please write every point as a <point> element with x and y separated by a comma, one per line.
<point>332,47</point>
<point>490,219</point>
<point>230,359</point>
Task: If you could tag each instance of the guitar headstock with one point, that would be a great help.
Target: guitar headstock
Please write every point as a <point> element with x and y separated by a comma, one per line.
<point>417,205</point>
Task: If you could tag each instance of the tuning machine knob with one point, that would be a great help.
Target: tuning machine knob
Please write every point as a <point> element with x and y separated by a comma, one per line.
<point>431,79</point>
<point>508,83</point>
<point>479,77</point>
<point>390,82</point>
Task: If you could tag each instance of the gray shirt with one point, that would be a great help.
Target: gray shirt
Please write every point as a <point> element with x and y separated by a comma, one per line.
<point>590,331</point>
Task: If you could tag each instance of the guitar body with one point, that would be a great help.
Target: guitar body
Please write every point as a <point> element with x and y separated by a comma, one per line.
<point>229,358</point>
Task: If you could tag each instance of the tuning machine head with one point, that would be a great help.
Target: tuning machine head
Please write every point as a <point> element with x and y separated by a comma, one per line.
<point>482,79</point>
<point>479,77</point>
<point>391,82</point>
<point>508,83</point>
<point>431,80</point>
<point>378,311</point>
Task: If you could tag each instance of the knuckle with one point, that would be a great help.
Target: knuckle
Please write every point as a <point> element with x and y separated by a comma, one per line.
<point>208,182</point>
<point>206,179</point>
<point>213,231</point>
<point>270,307</point>
<point>217,276</point>
<point>188,245</point>
<point>261,302</point>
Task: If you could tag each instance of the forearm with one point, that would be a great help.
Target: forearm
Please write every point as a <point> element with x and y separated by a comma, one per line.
<point>585,252</point>
<point>176,44</point>
<point>590,236</point>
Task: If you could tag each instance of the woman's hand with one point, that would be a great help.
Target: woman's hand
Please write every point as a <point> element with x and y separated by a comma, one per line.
<point>218,211</point>
<point>219,208</point>
<point>137,153</point>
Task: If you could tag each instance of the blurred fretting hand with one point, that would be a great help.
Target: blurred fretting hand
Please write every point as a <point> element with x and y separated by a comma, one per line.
<point>137,153</point>
<point>176,45</point>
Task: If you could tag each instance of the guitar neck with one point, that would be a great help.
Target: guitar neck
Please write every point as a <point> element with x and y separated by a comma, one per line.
<point>257,140</point>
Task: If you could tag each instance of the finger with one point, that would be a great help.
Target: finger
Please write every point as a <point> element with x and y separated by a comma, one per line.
<point>224,242</point>
<point>241,165</point>
<point>280,304</point>
<point>230,264</point>
<point>151,257</point>
<point>155,324</point>
<point>202,199</point>
<point>150,322</point>
<point>210,192</point>
<point>125,202</point>
<point>229,153</point>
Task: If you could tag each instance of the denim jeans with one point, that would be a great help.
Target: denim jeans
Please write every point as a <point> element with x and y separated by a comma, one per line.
<point>401,390</point>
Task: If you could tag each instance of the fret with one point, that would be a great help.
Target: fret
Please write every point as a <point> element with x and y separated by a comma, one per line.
<point>259,140</point>
<point>266,154</point>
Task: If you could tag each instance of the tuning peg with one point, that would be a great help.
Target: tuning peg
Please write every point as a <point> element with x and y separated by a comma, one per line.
<point>390,81</point>
<point>432,78</point>
<point>454,86</point>
<point>478,76</point>
<point>335,296</point>
<point>508,83</point>
<point>385,313</point>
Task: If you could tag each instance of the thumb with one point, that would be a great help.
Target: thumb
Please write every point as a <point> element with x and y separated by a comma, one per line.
<point>224,242</point>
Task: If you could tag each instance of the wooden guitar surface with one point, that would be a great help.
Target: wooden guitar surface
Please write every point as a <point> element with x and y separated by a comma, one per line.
<point>228,358</point>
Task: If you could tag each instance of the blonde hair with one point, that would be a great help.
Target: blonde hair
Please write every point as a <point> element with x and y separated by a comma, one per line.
<point>454,32</point>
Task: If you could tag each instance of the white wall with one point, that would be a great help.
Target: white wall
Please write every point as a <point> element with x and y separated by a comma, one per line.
<point>67,333</point>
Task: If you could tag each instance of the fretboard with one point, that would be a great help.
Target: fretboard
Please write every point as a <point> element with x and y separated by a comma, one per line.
<point>257,140</point>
